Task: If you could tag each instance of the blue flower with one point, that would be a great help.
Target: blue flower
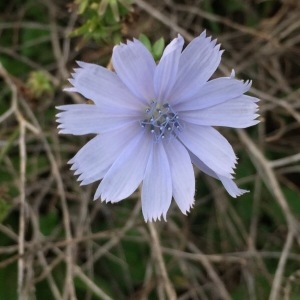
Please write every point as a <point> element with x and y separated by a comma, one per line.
<point>153,122</point>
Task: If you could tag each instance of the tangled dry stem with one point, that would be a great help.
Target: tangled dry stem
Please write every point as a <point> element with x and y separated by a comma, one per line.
<point>266,55</point>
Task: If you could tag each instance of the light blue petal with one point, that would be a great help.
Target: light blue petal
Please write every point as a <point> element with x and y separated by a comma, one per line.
<point>127,172</point>
<point>79,119</point>
<point>157,185</point>
<point>231,187</point>
<point>95,158</point>
<point>228,183</point>
<point>214,92</point>
<point>210,147</point>
<point>198,62</point>
<point>135,66</point>
<point>104,88</point>
<point>202,166</point>
<point>166,71</point>
<point>182,174</point>
<point>237,113</point>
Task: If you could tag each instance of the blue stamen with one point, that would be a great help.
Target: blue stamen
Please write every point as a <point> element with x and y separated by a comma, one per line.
<point>162,121</point>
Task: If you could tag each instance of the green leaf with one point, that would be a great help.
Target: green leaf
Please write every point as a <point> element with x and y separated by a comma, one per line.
<point>115,10</point>
<point>9,143</point>
<point>158,48</point>
<point>292,197</point>
<point>4,209</point>
<point>8,282</point>
<point>39,84</point>
<point>145,40</point>
<point>82,5</point>
<point>48,222</point>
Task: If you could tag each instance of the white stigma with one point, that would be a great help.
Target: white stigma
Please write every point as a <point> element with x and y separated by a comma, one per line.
<point>162,121</point>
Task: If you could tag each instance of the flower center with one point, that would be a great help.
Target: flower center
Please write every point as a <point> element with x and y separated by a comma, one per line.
<point>162,121</point>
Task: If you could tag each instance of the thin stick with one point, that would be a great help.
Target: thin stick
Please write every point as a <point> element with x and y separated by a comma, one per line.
<point>269,178</point>
<point>274,187</point>
<point>285,161</point>
<point>161,267</point>
<point>156,14</point>
<point>69,283</point>
<point>91,285</point>
<point>22,151</point>
<point>275,290</point>
<point>21,265</point>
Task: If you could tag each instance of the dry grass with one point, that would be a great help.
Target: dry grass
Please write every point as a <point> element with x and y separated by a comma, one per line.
<point>63,243</point>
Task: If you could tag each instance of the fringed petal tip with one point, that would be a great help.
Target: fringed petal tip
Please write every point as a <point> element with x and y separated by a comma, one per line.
<point>85,181</point>
<point>155,216</point>
<point>71,162</point>
<point>128,42</point>
<point>247,83</point>
<point>152,219</point>
<point>106,200</point>
<point>232,74</point>
<point>103,198</point>
<point>77,172</point>
<point>204,35</point>
<point>64,131</point>
<point>97,197</point>
<point>77,71</point>
<point>61,107</point>
<point>163,215</point>
<point>240,193</point>
<point>80,173</point>
<point>69,89</point>
<point>81,64</point>
<point>188,210</point>
<point>231,187</point>
<point>72,88</point>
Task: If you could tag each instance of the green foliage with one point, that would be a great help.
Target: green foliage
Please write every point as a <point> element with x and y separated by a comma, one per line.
<point>43,290</point>
<point>156,49</point>
<point>9,143</point>
<point>292,197</point>
<point>133,258</point>
<point>244,13</point>
<point>8,282</point>
<point>4,208</point>
<point>145,40</point>
<point>101,19</point>
<point>34,40</point>
<point>39,84</point>
<point>217,225</point>
<point>48,222</point>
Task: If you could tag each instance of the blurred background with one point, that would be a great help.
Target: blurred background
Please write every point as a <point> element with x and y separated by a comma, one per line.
<point>56,243</point>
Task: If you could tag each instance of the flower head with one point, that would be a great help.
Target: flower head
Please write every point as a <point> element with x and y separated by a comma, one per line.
<point>152,122</point>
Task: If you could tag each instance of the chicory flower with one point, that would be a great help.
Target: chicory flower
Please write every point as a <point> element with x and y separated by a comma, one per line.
<point>154,121</point>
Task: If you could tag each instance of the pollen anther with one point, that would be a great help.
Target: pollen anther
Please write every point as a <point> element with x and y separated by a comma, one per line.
<point>162,121</point>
